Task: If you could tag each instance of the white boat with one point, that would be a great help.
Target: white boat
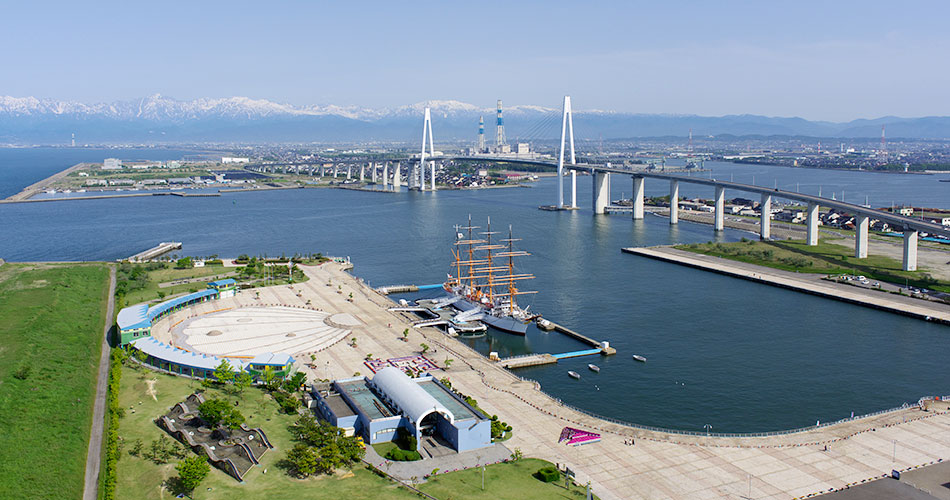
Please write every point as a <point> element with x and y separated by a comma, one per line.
<point>594,368</point>
<point>639,358</point>
<point>574,374</point>
<point>545,324</point>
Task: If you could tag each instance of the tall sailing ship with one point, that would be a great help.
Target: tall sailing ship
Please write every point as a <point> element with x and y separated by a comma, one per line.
<point>484,284</point>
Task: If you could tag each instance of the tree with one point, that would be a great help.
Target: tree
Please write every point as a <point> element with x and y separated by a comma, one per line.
<point>161,295</point>
<point>448,362</point>
<point>425,347</point>
<point>242,381</point>
<point>218,411</point>
<point>224,373</point>
<point>191,471</point>
<point>184,263</point>
<point>304,460</point>
<point>405,335</point>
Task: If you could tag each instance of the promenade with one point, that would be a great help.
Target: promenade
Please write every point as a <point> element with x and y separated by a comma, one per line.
<point>802,282</point>
<point>660,465</point>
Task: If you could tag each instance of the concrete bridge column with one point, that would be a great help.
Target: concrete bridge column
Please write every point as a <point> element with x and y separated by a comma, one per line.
<point>397,182</point>
<point>812,224</point>
<point>432,165</point>
<point>362,173</point>
<point>910,250</point>
<point>574,189</point>
<point>385,175</point>
<point>720,207</point>
<point>600,191</point>
<point>323,171</point>
<point>372,168</point>
<point>637,197</point>
<point>336,169</point>
<point>674,202</point>
<point>348,172</point>
<point>765,220</point>
<point>861,237</point>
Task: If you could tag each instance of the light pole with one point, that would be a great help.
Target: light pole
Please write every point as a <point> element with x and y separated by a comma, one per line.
<point>894,454</point>
<point>707,427</point>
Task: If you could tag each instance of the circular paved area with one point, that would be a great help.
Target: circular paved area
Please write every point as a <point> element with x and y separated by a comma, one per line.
<point>248,331</point>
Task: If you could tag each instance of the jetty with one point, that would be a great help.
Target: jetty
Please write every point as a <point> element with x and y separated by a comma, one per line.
<point>156,251</point>
<point>386,290</point>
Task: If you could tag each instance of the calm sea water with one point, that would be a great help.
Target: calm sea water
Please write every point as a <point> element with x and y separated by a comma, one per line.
<point>725,352</point>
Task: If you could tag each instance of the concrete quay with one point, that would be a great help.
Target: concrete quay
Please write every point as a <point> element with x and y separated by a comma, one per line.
<point>807,283</point>
<point>661,465</point>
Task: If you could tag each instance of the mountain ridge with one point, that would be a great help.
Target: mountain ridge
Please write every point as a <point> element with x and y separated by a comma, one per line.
<point>158,118</point>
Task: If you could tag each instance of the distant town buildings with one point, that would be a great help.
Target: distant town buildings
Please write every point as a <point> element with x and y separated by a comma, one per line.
<point>234,159</point>
<point>111,164</point>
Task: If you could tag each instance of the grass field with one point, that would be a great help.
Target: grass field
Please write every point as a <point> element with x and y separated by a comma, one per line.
<point>824,258</point>
<point>150,291</point>
<point>513,480</point>
<point>51,321</point>
<point>146,395</point>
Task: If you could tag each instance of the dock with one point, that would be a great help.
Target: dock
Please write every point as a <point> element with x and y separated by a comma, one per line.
<point>158,250</point>
<point>527,360</point>
<point>193,195</point>
<point>602,347</point>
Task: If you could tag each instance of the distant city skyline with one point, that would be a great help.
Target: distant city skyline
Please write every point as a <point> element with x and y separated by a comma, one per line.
<point>820,61</point>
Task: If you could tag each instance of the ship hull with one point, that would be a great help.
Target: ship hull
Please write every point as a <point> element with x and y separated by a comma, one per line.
<point>504,323</point>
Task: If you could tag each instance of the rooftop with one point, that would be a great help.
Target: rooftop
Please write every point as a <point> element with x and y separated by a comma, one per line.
<point>160,350</point>
<point>133,317</point>
<point>271,359</point>
<point>367,402</point>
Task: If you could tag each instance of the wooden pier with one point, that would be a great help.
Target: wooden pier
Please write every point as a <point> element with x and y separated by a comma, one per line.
<point>529,360</point>
<point>606,350</point>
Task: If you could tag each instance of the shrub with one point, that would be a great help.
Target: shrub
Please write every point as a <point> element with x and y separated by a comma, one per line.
<point>548,474</point>
<point>400,455</point>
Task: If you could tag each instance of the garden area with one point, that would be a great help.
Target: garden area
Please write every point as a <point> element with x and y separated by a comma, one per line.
<point>51,322</point>
<point>824,258</point>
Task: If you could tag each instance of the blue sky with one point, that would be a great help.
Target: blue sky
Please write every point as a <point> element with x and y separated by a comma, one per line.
<point>818,60</point>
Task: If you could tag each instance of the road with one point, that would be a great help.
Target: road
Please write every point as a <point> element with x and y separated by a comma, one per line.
<point>94,455</point>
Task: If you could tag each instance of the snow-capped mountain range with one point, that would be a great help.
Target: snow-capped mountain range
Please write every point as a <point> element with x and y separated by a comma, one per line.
<point>160,119</point>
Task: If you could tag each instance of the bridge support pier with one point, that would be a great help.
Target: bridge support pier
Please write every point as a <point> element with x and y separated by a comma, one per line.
<point>910,249</point>
<point>720,207</point>
<point>637,197</point>
<point>348,172</point>
<point>397,182</point>
<point>432,165</point>
<point>812,221</point>
<point>765,217</point>
<point>323,171</point>
<point>362,173</point>
<point>372,168</point>
<point>574,189</point>
<point>385,175</point>
<point>861,237</point>
<point>601,191</point>
<point>336,168</point>
<point>674,202</point>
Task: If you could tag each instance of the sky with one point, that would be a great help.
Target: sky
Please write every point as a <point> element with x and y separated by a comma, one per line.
<point>835,61</point>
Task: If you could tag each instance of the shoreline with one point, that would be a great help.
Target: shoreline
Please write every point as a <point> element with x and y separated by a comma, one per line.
<point>806,283</point>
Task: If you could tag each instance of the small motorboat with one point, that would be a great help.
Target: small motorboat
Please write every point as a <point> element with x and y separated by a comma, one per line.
<point>574,374</point>
<point>639,358</point>
<point>545,324</point>
<point>594,368</point>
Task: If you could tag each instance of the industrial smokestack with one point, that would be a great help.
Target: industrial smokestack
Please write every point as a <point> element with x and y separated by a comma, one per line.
<point>500,132</point>
<point>481,134</point>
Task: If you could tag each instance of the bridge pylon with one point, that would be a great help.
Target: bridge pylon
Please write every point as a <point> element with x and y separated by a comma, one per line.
<point>567,132</point>
<point>426,132</point>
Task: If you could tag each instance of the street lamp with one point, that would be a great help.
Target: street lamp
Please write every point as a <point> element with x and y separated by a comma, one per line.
<point>707,427</point>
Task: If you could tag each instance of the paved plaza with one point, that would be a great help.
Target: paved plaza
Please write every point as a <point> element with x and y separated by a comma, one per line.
<point>659,465</point>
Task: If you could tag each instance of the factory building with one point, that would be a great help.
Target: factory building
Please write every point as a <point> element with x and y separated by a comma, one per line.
<point>376,408</point>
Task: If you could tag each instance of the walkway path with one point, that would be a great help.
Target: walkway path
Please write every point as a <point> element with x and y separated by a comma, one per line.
<point>94,455</point>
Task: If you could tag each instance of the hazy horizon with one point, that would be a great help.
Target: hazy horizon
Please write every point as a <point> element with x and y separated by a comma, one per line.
<point>818,61</point>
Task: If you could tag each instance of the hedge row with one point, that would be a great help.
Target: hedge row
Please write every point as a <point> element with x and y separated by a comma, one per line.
<point>113,412</point>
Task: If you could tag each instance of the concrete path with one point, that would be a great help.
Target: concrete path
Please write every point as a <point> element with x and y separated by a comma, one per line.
<point>94,455</point>
<point>414,471</point>
<point>803,282</point>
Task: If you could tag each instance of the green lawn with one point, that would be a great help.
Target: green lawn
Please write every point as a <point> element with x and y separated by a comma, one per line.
<point>139,478</point>
<point>150,291</point>
<point>513,480</point>
<point>51,321</point>
<point>824,258</point>
<point>142,479</point>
